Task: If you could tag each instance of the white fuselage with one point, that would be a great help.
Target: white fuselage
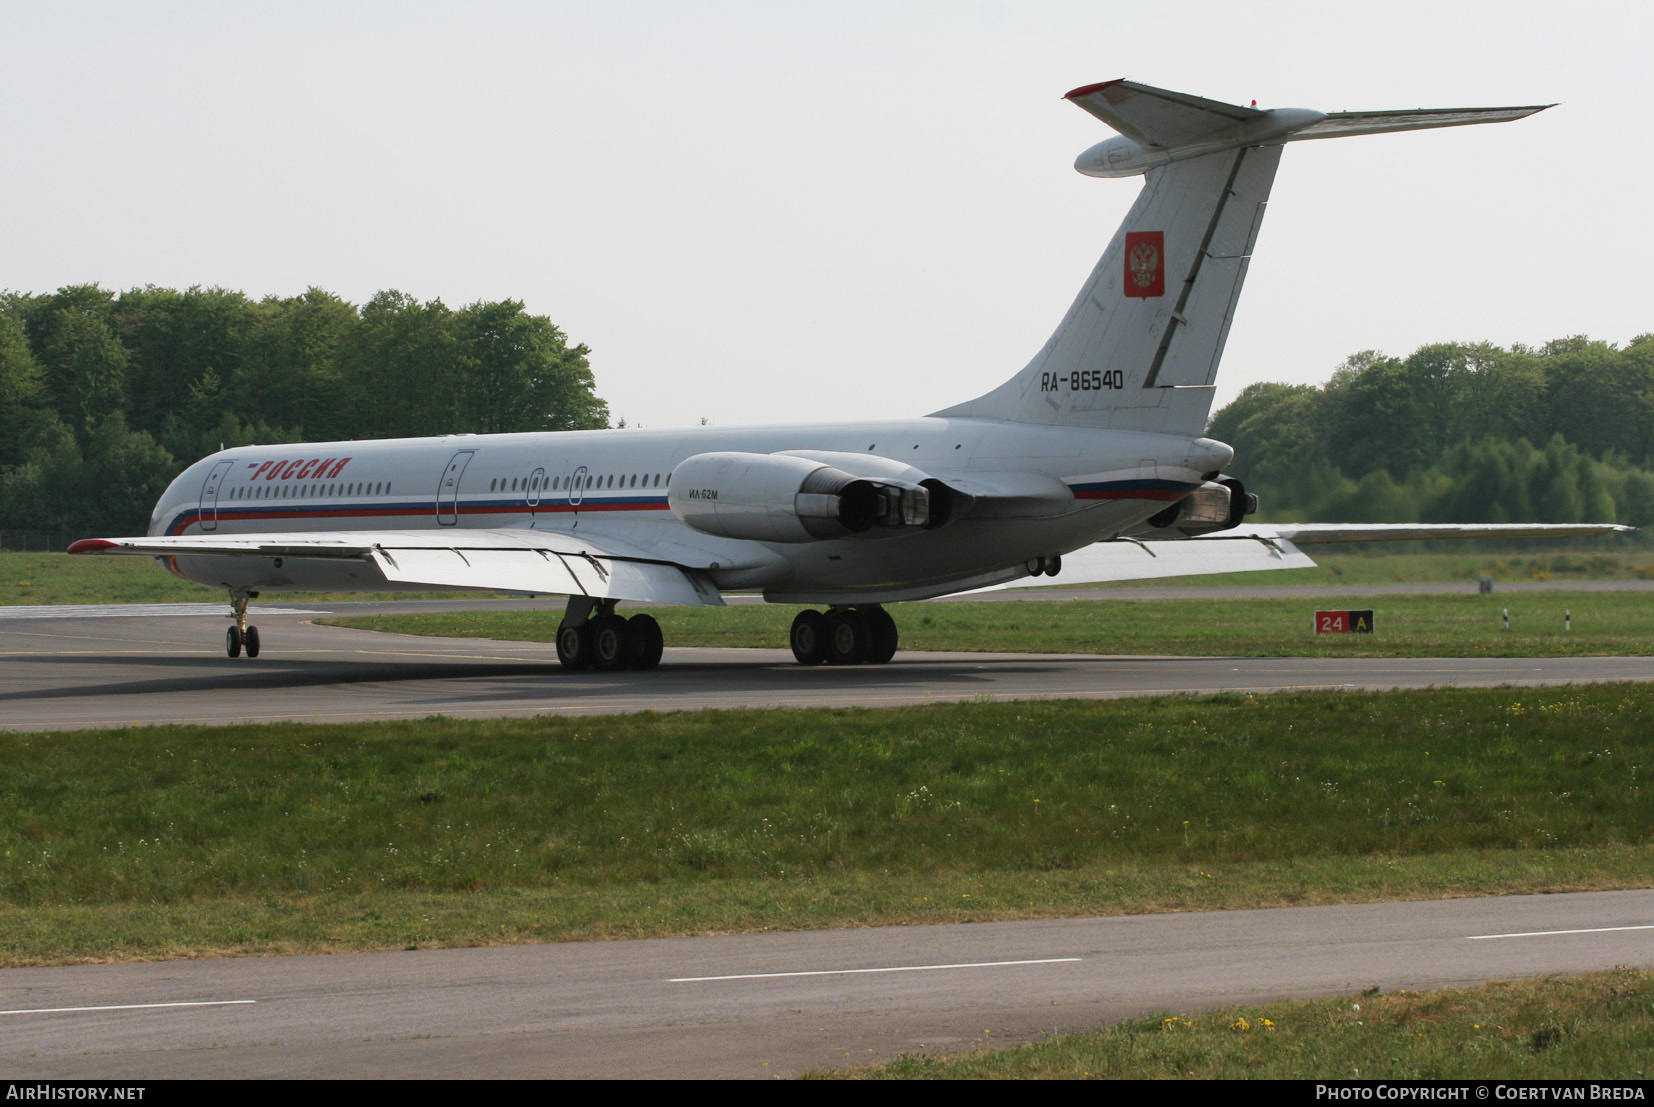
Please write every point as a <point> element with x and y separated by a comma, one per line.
<point>615,483</point>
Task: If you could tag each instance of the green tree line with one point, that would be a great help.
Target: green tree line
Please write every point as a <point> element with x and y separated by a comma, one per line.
<point>1456,433</point>
<point>105,396</point>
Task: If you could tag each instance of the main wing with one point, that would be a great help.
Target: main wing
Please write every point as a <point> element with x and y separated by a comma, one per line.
<point>504,560</point>
<point>1264,546</point>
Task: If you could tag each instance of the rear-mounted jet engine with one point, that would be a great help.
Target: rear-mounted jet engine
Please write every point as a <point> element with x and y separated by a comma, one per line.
<point>785,498</point>
<point>1216,505</point>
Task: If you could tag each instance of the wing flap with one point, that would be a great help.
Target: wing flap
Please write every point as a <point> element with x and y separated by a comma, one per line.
<point>547,572</point>
<point>1128,560</point>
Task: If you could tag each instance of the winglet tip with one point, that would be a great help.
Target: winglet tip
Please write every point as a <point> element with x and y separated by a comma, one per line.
<point>91,545</point>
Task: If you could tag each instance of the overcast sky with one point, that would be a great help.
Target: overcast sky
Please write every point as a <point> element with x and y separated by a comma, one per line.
<point>787,211</point>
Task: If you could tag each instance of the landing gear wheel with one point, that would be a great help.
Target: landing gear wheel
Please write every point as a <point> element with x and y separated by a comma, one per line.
<point>1044,566</point>
<point>647,641</point>
<point>574,646</point>
<point>249,638</point>
<point>232,641</point>
<point>809,637</point>
<point>611,643</point>
<point>881,642</point>
<point>847,637</point>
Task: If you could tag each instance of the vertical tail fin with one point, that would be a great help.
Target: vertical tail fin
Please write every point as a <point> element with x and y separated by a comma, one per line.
<point>1139,348</point>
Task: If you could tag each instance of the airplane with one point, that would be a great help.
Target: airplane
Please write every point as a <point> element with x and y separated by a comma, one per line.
<point>1094,452</point>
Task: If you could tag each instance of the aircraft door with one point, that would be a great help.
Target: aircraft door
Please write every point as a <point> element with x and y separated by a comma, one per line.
<point>447,492</point>
<point>209,495</point>
<point>535,480</point>
<point>577,492</point>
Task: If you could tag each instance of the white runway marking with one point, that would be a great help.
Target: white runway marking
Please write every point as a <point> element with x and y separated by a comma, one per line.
<point>1550,933</point>
<point>115,610</point>
<point>853,972</point>
<point>130,1007</point>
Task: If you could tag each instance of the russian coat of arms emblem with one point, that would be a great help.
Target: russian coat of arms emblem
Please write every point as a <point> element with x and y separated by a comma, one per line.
<point>1145,263</point>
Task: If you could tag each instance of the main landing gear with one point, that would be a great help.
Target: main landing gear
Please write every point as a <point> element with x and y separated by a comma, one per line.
<point>844,636</point>
<point>241,636</point>
<point>592,636</point>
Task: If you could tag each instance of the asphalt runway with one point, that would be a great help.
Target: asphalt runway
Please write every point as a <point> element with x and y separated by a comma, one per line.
<point>137,664</point>
<point>768,1005</point>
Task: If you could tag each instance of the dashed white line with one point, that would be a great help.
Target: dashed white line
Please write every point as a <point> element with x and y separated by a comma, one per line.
<point>854,972</point>
<point>129,1007</point>
<point>1552,933</point>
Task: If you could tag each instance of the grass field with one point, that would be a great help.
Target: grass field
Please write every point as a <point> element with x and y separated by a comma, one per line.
<point>1602,624</point>
<point>1596,1027</point>
<point>175,841</point>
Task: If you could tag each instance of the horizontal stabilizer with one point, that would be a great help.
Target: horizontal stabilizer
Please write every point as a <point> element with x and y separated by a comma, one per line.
<point>1159,127</point>
<point>1340,123</point>
<point>1158,117</point>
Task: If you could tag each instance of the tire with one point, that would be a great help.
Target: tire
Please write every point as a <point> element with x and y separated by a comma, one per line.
<point>847,638</point>
<point>612,646</point>
<point>574,646</point>
<point>232,642</point>
<point>647,642</point>
<point>809,637</point>
<point>882,638</point>
<point>250,639</point>
<point>1053,565</point>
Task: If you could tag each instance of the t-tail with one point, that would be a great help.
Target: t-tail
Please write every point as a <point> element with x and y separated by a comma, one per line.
<point>1139,349</point>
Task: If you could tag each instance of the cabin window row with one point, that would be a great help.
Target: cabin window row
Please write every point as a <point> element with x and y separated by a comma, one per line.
<point>311,492</point>
<point>557,484</point>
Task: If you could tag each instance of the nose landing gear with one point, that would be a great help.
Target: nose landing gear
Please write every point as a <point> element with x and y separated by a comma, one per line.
<point>241,636</point>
